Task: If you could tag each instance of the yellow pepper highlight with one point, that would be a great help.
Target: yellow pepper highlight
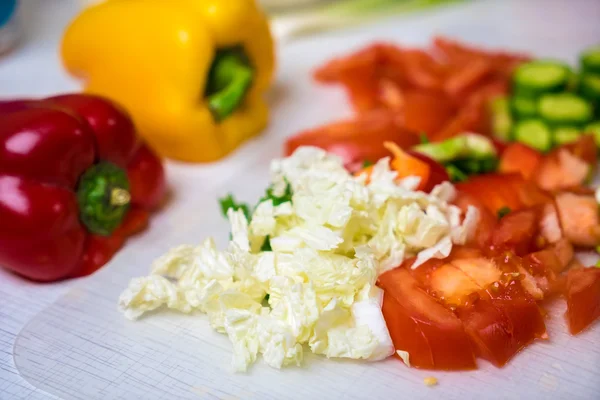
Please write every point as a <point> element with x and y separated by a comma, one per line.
<point>156,57</point>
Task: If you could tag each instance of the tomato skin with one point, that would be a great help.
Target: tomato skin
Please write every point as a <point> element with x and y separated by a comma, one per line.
<point>503,322</point>
<point>433,336</point>
<point>356,140</point>
<point>583,298</point>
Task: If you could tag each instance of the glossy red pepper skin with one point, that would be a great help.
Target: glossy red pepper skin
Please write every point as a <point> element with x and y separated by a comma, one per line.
<point>45,146</point>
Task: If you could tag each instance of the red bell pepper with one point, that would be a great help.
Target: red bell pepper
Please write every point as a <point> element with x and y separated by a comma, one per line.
<point>74,183</point>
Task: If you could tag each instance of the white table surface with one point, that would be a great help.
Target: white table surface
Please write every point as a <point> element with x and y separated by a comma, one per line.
<point>34,69</point>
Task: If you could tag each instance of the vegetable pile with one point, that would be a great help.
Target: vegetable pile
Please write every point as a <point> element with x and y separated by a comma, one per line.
<point>405,95</point>
<point>549,104</point>
<point>465,269</point>
<point>534,208</point>
<point>330,235</point>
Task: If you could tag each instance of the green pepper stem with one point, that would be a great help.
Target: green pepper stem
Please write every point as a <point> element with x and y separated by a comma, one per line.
<point>229,80</point>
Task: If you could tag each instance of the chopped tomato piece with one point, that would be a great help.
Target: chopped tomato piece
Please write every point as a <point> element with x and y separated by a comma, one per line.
<point>584,148</point>
<point>583,298</point>
<point>458,54</point>
<point>542,266</point>
<point>421,70</point>
<point>358,139</point>
<point>355,63</point>
<point>495,191</point>
<point>516,231</point>
<point>406,333</point>
<point>487,220</point>
<point>433,336</point>
<point>470,118</point>
<point>424,111</point>
<point>550,228</point>
<point>521,159</point>
<point>563,249</point>
<point>531,195</point>
<point>362,90</point>
<point>579,218</point>
<point>466,77</point>
<point>502,323</point>
<point>488,330</point>
<point>544,261</point>
<point>561,169</point>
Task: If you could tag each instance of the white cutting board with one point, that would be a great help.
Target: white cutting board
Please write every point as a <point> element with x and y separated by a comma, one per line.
<point>82,348</point>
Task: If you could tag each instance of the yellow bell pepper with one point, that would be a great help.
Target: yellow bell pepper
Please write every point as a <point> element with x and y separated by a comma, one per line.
<point>191,72</point>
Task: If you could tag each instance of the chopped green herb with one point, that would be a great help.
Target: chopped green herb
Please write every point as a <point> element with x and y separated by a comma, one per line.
<point>267,297</point>
<point>277,200</point>
<point>423,138</point>
<point>503,212</point>
<point>266,246</point>
<point>367,163</point>
<point>229,201</point>
<point>455,174</point>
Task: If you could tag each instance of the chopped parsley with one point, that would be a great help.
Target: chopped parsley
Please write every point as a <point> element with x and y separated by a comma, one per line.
<point>229,201</point>
<point>277,200</point>
<point>367,163</point>
<point>423,138</point>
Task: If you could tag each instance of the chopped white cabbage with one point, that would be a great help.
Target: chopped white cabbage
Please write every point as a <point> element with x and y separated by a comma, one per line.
<point>404,356</point>
<point>329,244</point>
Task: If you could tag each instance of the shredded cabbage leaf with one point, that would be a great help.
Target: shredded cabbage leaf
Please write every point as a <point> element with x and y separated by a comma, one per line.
<point>329,235</point>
